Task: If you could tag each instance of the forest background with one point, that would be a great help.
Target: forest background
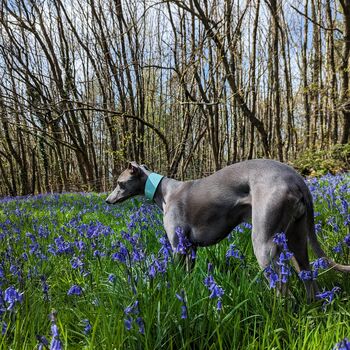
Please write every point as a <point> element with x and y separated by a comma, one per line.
<point>186,87</point>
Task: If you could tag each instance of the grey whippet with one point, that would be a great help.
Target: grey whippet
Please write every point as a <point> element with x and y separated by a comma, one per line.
<point>273,195</point>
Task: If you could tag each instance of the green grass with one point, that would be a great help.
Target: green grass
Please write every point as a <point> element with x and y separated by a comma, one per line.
<point>252,316</point>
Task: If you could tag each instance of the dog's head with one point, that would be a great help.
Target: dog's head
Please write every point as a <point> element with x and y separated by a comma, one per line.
<point>131,182</point>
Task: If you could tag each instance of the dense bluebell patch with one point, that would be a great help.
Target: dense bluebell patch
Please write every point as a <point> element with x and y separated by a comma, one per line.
<point>60,252</point>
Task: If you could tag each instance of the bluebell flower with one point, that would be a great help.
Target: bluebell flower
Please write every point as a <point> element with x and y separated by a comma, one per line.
<point>184,243</point>
<point>234,252</point>
<point>305,275</point>
<point>347,240</point>
<point>76,262</point>
<point>338,248</point>
<point>80,245</point>
<point>328,296</point>
<point>318,227</point>
<point>184,313</point>
<point>43,232</point>
<point>122,255</point>
<point>140,323</point>
<point>55,341</point>
<point>343,345</point>
<point>74,290</point>
<point>3,328</point>
<point>43,342</point>
<point>318,264</point>
<point>272,276</point>
<point>87,326</point>
<point>344,206</point>
<point>12,296</point>
<point>15,271</point>
<point>215,290</point>
<point>128,322</point>
<point>62,246</point>
<point>281,240</point>
<point>45,287</point>
<point>137,255</point>
<point>286,271</point>
<point>283,262</point>
<point>129,311</point>
<point>111,278</point>
<point>152,271</point>
<point>181,297</point>
<point>165,249</point>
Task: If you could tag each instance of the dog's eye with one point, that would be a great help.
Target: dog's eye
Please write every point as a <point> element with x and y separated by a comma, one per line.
<point>121,185</point>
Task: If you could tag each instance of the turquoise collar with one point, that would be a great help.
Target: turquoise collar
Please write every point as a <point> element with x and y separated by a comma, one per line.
<point>152,183</point>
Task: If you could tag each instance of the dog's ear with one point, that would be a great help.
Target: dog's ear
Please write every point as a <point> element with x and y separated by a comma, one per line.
<point>134,168</point>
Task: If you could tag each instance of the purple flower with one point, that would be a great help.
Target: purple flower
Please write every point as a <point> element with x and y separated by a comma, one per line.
<point>45,287</point>
<point>184,243</point>
<point>122,254</point>
<point>318,264</point>
<point>137,255</point>
<point>328,296</point>
<point>12,296</point>
<point>63,247</point>
<point>43,342</point>
<point>272,276</point>
<point>234,252</point>
<point>283,262</point>
<point>80,245</point>
<point>181,297</point>
<point>215,290</point>
<point>55,341</point>
<point>132,310</point>
<point>152,271</point>
<point>219,305</point>
<point>128,322</point>
<point>281,240</point>
<point>318,227</point>
<point>343,345</point>
<point>337,248</point>
<point>347,240</point>
<point>140,323</point>
<point>184,313</point>
<point>111,278</point>
<point>76,263</point>
<point>87,326</point>
<point>305,275</point>
<point>165,249</point>
<point>3,328</point>
<point>284,257</point>
<point>74,290</point>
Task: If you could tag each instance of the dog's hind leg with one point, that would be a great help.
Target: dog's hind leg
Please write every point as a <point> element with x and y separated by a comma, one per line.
<point>270,215</point>
<point>297,243</point>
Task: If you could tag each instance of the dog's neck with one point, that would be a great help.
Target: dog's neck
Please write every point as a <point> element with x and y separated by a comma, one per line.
<point>165,188</point>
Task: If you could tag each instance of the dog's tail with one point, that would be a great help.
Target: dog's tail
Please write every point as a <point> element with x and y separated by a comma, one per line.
<point>313,238</point>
